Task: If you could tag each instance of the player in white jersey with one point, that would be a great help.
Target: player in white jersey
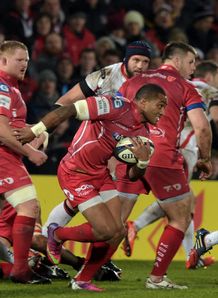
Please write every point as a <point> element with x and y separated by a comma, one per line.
<point>206,81</point>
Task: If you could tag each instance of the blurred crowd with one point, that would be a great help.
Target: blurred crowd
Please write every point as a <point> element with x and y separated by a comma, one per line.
<point>69,39</point>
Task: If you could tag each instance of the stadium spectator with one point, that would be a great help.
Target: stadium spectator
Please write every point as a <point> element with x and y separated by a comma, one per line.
<point>201,33</point>
<point>102,45</point>
<point>54,9</point>
<point>42,27</point>
<point>44,97</point>
<point>65,74</point>
<point>111,57</point>
<point>96,14</point>
<point>51,53</point>
<point>163,24</point>
<point>18,23</point>
<point>87,64</point>
<point>77,36</point>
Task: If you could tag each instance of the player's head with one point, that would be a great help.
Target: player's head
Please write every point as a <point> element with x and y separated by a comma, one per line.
<point>207,70</point>
<point>137,57</point>
<point>151,100</point>
<point>14,58</point>
<point>182,56</point>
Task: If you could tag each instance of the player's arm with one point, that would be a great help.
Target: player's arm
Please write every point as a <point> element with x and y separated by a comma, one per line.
<point>6,137</point>
<point>50,121</point>
<point>80,90</point>
<point>213,111</point>
<point>71,96</point>
<point>203,135</point>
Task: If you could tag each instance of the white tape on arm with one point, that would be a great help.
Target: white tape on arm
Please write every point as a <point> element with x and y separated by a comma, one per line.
<point>38,128</point>
<point>82,109</point>
<point>142,164</point>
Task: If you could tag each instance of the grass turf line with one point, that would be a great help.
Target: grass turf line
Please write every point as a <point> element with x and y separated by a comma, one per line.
<point>202,284</point>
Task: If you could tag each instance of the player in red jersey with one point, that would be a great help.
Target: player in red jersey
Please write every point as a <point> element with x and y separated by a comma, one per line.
<point>165,173</point>
<point>83,173</point>
<point>15,183</point>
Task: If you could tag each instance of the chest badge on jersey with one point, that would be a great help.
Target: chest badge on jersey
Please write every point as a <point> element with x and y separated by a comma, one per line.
<point>4,88</point>
<point>117,102</point>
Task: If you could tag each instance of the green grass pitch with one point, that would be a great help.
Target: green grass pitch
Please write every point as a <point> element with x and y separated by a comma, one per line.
<point>202,284</point>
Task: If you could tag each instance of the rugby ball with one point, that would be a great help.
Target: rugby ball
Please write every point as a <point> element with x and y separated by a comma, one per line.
<point>123,154</point>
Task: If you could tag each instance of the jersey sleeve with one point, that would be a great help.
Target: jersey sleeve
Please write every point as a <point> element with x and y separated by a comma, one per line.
<point>5,100</point>
<point>95,79</point>
<point>106,107</point>
<point>193,99</point>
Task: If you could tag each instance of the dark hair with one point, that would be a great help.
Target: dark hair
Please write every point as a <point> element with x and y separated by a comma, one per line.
<point>175,48</point>
<point>205,67</point>
<point>112,52</point>
<point>87,50</point>
<point>149,91</point>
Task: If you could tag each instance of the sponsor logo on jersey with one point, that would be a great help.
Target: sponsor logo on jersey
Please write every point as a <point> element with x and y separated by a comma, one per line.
<point>173,187</point>
<point>8,180</point>
<point>5,101</point>
<point>117,102</point>
<point>154,75</point>
<point>157,132</point>
<point>4,87</point>
<point>69,195</point>
<point>117,136</point>
<point>103,106</point>
<point>84,189</point>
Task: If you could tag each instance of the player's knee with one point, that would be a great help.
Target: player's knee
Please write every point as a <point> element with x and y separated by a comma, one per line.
<point>107,232</point>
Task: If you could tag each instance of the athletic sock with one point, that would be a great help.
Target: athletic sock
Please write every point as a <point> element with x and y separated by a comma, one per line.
<point>99,253</point>
<point>22,237</point>
<point>211,239</point>
<point>188,239</point>
<point>58,215</point>
<point>81,233</point>
<point>149,215</point>
<point>168,245</point>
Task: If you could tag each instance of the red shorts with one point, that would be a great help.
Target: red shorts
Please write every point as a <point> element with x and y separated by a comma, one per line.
<point>79,187</point>
<point>124,185</point>
<point>13,173</point>
<point>167,183</point>
<point>7,218</point>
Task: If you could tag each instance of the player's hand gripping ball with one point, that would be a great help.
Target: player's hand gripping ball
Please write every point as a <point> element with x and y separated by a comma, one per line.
<point>123,153</point>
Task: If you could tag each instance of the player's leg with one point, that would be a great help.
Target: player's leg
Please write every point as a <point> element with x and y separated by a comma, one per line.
<point>100,253</point>
<point>205,240</point>
<point>173,193</point>
<point>23,199</point>
<point>60,214</point>
<point>150,214</point>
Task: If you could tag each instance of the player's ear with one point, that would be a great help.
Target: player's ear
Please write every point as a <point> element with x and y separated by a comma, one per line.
<point>4,60</point>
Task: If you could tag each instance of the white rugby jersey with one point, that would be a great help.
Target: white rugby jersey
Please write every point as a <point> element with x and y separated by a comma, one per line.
<point>107,80</point>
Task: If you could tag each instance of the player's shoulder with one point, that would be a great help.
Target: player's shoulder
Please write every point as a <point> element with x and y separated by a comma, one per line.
<point>106,71</point>
<point>4,87</point>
